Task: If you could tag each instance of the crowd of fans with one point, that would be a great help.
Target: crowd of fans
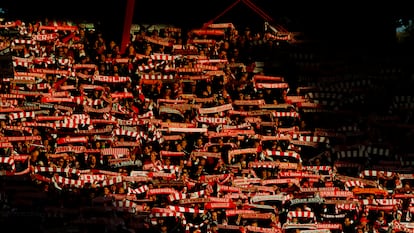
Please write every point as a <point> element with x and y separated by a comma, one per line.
<point>184,132</point>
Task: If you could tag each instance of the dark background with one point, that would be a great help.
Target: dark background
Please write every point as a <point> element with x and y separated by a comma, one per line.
<point>345,22</point>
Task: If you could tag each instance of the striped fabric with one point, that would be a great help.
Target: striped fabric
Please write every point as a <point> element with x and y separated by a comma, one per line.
<point>376,173</point>
<point>352,154</point>
<point>283,153</point>
<point>300,214</point>
<point>139,190</point>
<point>19,115</point>
<point>8,160</point>
<point>157,77</point>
